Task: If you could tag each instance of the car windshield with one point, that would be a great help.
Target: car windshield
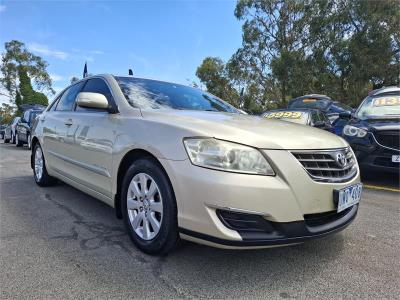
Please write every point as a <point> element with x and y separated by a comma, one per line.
<point>381,106</point>
<point>299,117</point>
<point>310,103</point>
<point>146,93</point>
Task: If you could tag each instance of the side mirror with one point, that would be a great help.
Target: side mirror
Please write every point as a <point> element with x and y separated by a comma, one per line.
<point>92,100</point>
<point>345,115</point>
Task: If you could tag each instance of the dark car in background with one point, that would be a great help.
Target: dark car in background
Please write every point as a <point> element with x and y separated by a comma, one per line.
<point>373,131</point>
<point>2,131</point>
<point>23,130</point>
<point>322,102</point>
<point>311,117</point>
<point>9,132</point>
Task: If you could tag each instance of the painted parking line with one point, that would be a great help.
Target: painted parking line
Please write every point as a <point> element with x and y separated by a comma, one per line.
<point>381,188</point>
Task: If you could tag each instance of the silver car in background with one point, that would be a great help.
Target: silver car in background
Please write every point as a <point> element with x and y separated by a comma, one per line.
<point>10,131</point>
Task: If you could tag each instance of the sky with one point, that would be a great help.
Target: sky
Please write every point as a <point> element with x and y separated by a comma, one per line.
<point>165,40</point>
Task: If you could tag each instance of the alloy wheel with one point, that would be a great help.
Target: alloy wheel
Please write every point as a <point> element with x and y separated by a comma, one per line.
<point>145,208</point>
<point>38,163</point>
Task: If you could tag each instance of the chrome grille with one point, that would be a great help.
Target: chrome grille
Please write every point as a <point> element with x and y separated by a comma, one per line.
<point>336,165</point>
<point>388,138</point>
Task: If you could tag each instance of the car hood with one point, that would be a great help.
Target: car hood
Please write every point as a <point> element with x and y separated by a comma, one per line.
<point>249,130</point>
<point>377,124</point>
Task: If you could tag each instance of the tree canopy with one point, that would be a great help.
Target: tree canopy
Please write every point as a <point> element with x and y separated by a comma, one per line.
<point>341,48</point>
<point>19,68</point>
<point>6,113</point>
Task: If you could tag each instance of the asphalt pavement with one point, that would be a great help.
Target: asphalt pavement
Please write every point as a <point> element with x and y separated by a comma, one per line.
<point>59,243</point>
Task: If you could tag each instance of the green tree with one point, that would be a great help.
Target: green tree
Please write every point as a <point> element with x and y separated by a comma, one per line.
<point>17,56</point>
<point>342,48</point>
<point>355,46</point>
<point>26,94</point>
<point>274,41</point>
<point>6,113</point>
<point>213,74</point>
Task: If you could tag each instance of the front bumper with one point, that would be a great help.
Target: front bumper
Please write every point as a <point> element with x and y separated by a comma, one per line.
<point>284,201</point>
<point>373,156</point>
<point>281,233</point>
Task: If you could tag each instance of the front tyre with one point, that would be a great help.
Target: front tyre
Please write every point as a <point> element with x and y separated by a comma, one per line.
<point>42,178</point>
<point>149,208</point>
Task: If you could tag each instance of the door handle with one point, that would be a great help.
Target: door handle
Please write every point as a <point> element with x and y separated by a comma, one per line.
<point>68,122</point>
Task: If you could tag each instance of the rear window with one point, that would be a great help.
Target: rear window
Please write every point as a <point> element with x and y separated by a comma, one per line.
<point>153,94</point>
<point>310,103</point>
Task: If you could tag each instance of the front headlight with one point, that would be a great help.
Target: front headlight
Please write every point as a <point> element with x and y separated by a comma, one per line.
<point>226,156</point>
<point>354,131</point>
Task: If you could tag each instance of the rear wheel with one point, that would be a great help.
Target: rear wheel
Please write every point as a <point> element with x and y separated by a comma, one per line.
<point>149,208</point>
<point>42,178</point>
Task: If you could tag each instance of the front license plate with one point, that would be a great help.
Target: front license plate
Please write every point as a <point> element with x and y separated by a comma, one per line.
<point>396,158</point>
<point>348,196</point>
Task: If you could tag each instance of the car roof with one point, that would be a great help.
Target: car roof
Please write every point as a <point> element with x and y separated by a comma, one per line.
<point>384,90</point>
<point>314,96</point>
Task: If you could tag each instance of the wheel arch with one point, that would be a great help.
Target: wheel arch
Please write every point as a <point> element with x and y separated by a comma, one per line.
<point>124,165</point>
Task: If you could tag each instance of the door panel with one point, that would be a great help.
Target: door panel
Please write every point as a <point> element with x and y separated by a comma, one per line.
<point>55,131</point>
<point>93,135</point>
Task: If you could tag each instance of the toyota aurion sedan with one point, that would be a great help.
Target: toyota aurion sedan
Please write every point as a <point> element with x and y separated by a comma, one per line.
<point>177,162</point>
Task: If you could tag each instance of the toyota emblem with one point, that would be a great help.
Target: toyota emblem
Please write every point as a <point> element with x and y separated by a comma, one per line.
<point>341,159</point>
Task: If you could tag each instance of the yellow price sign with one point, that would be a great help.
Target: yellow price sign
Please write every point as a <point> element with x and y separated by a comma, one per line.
<point>386,101</point>
<point>309,100</point>
<point>285,115</point>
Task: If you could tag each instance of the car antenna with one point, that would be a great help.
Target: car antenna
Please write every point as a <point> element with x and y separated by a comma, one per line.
<point>130,72</point>
<point>85,72</point>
